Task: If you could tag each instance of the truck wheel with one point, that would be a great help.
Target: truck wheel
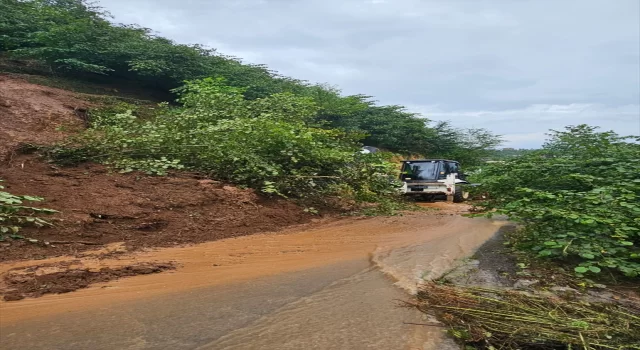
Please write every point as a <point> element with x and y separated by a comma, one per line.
<point>460,195</point>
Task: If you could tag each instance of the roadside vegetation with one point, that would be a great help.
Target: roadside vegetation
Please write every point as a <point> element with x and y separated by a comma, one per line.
<point>576,203</point>
<point>577,199</point>
<point>272,144</point>
<point>14,214</point>
<point>236,122</point>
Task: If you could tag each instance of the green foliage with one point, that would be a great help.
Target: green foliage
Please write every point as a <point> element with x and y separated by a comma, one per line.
<point>391,127</point>
<point>14,215</point>
<point>506,153</point>
<point>270,144</point>
<point>578,199</point>
<point>74,38</point>
<point>471,147</point>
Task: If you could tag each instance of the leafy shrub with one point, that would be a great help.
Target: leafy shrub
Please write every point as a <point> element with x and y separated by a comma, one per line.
<point>14,215</point>
<point>270,144</point>
<point>578,199</point>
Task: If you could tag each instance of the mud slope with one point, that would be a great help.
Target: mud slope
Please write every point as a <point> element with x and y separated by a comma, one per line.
<point>98,206</point>
<point>34,113</point>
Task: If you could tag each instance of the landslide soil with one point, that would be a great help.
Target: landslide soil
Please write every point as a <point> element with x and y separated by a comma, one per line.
<point>97,206</point>
<point>32,113</point>
<point>63,277</point>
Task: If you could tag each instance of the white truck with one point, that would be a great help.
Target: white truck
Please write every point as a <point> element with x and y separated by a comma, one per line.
<point>431,179</point>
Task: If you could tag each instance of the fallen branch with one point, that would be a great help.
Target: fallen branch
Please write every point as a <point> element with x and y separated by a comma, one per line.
<point>504,319</point>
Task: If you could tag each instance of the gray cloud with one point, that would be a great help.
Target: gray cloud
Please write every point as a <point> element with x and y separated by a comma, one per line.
<point>515,67</point>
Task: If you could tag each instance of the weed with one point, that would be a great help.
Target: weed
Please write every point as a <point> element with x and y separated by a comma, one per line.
<point>14,215</point>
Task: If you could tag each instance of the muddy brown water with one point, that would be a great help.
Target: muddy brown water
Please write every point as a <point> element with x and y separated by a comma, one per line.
<point>334,287</point>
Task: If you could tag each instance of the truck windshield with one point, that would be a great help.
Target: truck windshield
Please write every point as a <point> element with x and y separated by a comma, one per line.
<point>420,171</point>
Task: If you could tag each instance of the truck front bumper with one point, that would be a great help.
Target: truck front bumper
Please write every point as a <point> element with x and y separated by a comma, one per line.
<point>421,189</point>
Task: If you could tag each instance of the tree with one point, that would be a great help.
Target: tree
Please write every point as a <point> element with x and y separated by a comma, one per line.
<point>75,38</point>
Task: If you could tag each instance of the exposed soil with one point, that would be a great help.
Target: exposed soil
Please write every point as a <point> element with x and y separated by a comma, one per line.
<point>97,206</point>
<point>35,113</point>
<point>446,208</point>
<point>36,281</point>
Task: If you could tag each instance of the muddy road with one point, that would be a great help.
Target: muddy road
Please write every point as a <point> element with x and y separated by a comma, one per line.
<point>330,287</point>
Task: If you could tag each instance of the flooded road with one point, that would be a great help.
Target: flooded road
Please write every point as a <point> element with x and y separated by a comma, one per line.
<point>333,287</point>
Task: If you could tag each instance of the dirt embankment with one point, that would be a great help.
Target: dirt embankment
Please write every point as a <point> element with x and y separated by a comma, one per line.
<point>34,113</point>
<point>97,206</point>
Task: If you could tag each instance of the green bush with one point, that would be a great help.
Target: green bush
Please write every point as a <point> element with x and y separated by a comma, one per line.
<point>578,199</point>
<point>14,215</point>
<point>270,144</point>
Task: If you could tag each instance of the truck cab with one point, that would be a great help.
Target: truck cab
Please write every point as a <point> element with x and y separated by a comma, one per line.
<point>433,178</point>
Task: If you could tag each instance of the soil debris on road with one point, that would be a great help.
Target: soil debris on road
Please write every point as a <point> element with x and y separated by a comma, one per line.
<point>35,281</point>
<point>389,241</point>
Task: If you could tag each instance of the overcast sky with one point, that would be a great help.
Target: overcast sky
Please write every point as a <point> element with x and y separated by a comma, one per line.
<point>516,67</point>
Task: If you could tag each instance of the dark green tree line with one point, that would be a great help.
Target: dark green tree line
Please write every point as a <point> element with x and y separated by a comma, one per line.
<point>76,39</point>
